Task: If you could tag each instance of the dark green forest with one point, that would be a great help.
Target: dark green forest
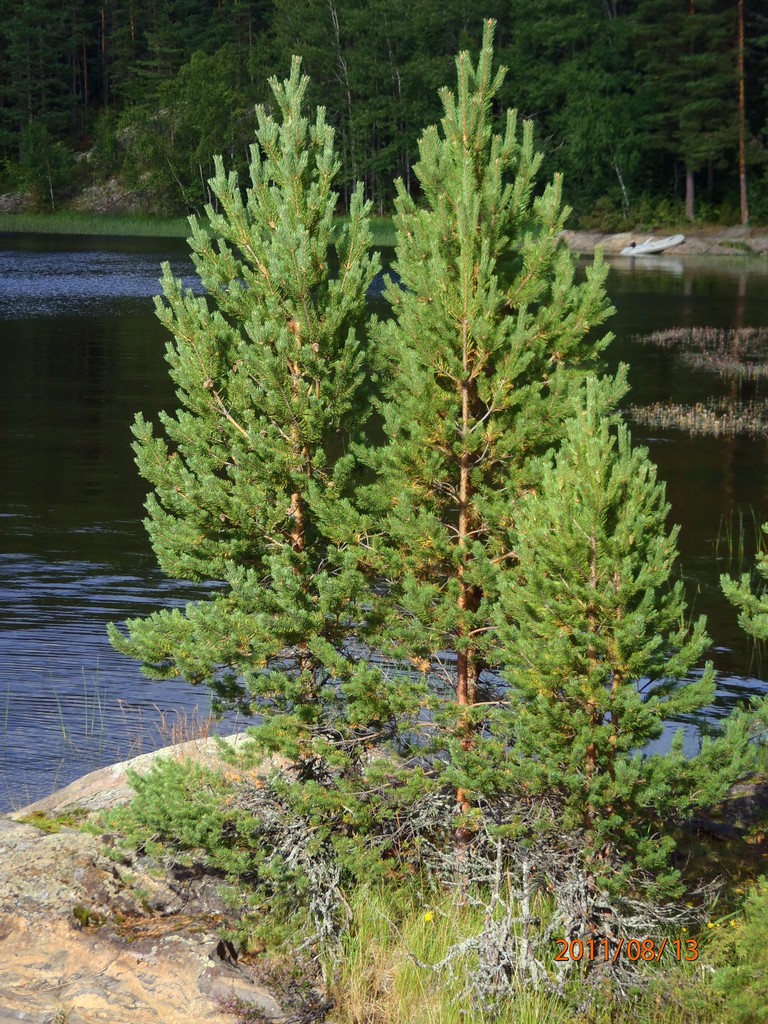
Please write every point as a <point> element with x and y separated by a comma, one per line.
<point>654,110</point>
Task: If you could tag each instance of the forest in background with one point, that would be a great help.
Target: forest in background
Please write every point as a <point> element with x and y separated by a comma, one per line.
<point>654,110</point>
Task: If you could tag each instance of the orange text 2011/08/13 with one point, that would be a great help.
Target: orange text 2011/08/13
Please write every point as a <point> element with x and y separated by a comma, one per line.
<point>631,949</point>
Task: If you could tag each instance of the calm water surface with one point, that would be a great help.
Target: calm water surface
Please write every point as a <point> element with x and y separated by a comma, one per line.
<point>81,352</point>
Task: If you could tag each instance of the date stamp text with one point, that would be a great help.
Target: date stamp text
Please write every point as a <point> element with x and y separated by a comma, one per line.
<point>631,949</point>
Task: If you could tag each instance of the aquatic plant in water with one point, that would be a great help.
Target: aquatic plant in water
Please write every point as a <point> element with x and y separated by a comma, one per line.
<point>715,418</point>
<point>739,354</point>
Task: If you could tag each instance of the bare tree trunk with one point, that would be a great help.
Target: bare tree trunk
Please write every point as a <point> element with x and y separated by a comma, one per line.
<point>344,79</point>
<point>742,123</point>
<point>86,87</point>
<point>624,195</point>
<point>689,182</point>
<point>104,65</point>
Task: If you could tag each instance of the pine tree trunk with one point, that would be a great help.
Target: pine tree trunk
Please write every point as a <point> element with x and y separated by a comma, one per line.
<point>296,511</point>
<point>297,515</point>
<point>590,766</point>
<point>742,123</point>
<point>466,659</point>
<point>689,194</point>
<point>464,685</point>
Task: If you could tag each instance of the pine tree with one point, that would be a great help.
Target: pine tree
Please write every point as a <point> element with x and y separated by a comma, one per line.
<point>752,607</point>
<point>251,476</point>
<point>571,65</point>
<point>597,655</point>
<point>490,340</point>
<point>688,91</point>
<point>34,72</point>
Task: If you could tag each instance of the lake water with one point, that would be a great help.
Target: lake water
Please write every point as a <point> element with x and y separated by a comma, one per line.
<point>81,351</point>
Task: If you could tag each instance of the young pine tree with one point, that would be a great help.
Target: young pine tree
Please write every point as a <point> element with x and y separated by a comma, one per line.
<point>597,653</point>
<point>752,608</point>
<point>490,340</point>
<point>753,619</point>
<point>251,475</point>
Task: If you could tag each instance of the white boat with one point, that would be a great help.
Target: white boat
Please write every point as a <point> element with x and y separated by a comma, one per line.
<point>651,245</point>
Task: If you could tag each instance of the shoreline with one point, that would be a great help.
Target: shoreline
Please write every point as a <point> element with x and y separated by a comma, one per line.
<point>135,225</point>
<point>704,241</point>
<point>729,241</point>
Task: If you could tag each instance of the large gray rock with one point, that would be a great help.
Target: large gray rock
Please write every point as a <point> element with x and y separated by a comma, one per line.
<point>87,939</point>
<point>714,242</point>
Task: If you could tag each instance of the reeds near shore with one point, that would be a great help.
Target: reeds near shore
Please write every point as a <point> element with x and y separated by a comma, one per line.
<point>712,418</point>
<point>738,355</point>
<point>81,732</point>
<point>706,337</point>
<point>71,223</point>
<point>137,225</point>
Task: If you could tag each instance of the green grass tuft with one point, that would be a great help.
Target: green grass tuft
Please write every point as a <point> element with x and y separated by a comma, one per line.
<point>70,223</point>
<point>52,823</point>
<point>136,225</point>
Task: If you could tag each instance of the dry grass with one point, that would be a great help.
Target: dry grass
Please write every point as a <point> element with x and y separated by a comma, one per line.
<point>733,355</point>
<point>739,353</point>
<point>376,981</point>
<point>167,728</point>
<point>713,418</point>
<point>181,726</point>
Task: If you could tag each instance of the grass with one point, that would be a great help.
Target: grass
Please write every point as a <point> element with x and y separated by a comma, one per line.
<point>714,418</point>
<point>84,734</point>
<point>92,706</point>
<point>411,951</point>
<point>376,979</point>
<point>181,726</point>
<point>137,225</point>
<point>53,823</point>
<point>92,727</point>
<point>739,537</point>
<point>6,712</point>
<point>71,223</point>
<point>382,230</point>
<point>735,356</point>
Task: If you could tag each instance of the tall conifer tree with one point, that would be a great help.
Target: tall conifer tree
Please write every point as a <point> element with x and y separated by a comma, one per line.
<point>597,654</point>
<point>251,476</point>
<point>490,341</point>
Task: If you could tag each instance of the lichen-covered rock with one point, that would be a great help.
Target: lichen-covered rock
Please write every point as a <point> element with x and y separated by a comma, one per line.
<point>14,202</point>
<point>86,939</point>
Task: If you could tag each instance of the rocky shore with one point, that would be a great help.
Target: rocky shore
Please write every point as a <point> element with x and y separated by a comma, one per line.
<point>111,197</point>
<point>90,935</point>
<point>87,938</point>
<point>735,241</point>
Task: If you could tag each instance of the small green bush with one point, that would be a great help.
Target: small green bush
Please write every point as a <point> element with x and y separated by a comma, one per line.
<point>741,949</point>
<point>605,215</point>
<point>187,807</point>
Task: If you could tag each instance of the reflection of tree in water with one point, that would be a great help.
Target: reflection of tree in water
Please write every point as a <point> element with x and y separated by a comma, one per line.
<point>739,357</point>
